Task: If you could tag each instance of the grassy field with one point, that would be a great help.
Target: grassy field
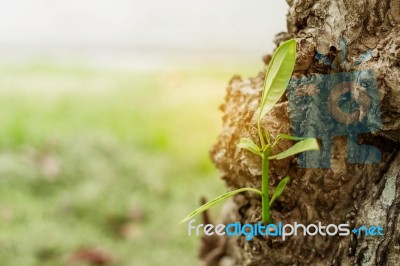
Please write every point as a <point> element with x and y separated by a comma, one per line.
<point>104,160</point>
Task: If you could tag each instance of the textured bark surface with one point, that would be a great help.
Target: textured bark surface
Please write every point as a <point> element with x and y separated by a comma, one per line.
<point>357,194</point>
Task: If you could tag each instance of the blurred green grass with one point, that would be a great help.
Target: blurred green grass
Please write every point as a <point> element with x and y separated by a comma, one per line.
<point>105,159</point>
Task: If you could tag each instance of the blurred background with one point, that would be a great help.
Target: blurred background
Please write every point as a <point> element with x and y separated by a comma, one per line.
<point>108,110</point>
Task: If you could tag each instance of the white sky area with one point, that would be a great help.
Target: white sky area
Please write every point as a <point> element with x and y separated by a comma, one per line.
<point>147,30</point>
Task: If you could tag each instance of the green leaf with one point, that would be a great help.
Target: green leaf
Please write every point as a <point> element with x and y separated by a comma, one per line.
<point>286,136</point>
<point>248,144</point>
<point>279,189</point>
<point>301,146</point>
<point>278,75</point>
<point>218,200</point>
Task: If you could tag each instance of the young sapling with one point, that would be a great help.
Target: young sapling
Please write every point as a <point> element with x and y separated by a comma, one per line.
<point>276,80</point>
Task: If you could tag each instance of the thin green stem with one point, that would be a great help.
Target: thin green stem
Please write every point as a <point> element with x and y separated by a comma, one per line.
<point>260,133</point>
<point>275,143</point>
<point>267,136</point>
<point>266,215</point>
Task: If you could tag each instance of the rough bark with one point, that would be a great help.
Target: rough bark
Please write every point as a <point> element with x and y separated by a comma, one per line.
<point>357,194</point>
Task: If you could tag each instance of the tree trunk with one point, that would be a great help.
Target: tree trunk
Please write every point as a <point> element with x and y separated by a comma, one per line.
<point>356,194</point>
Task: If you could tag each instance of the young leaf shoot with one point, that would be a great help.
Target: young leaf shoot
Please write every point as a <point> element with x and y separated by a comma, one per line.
<point>276,80</point>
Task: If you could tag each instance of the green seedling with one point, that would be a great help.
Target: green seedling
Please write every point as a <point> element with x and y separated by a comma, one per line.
<point>276,80</point>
